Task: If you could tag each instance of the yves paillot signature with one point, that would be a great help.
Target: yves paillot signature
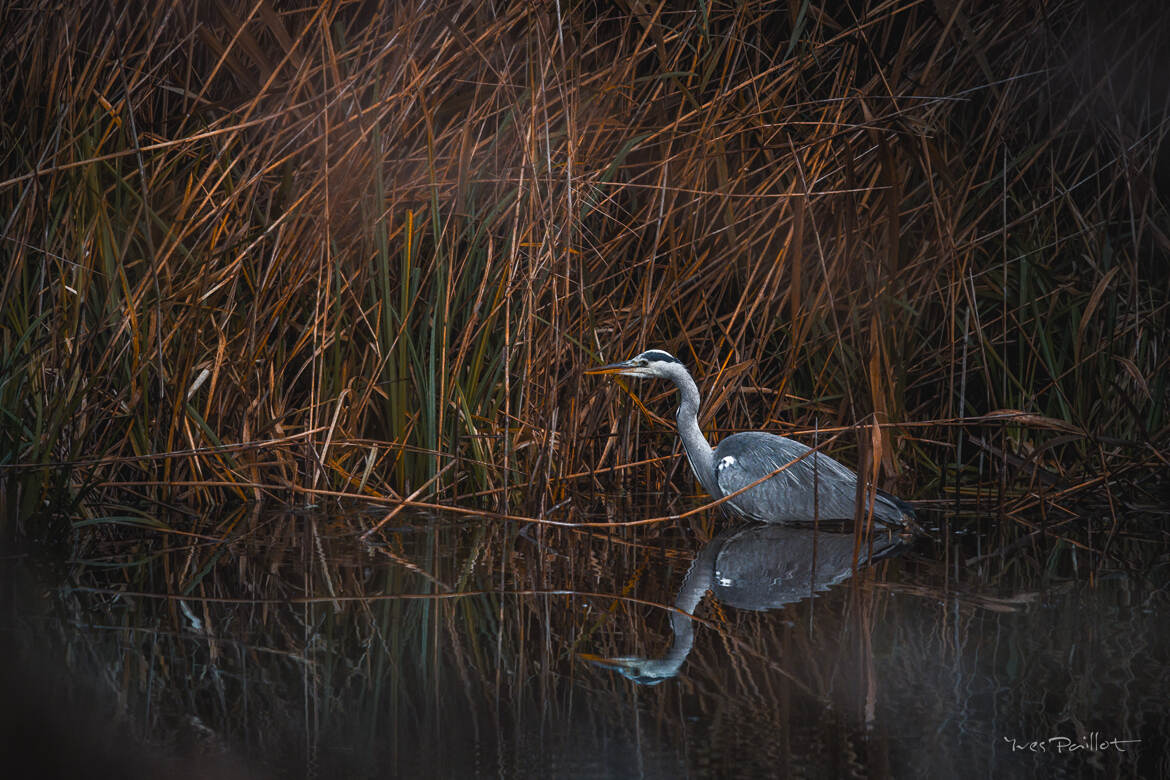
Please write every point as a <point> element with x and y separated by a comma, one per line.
<point>1089,743</point>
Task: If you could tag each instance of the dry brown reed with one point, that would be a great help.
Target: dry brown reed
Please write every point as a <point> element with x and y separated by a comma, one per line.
<point>265,249</point>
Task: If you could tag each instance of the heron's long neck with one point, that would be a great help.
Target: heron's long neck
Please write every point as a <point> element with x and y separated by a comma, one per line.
<point>699,452</point>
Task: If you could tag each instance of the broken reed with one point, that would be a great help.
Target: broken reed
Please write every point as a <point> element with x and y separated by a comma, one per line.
<point>361,241</point>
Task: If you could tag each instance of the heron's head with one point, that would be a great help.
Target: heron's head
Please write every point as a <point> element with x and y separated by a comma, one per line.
<point>644,671</point>
<point>652,362</point>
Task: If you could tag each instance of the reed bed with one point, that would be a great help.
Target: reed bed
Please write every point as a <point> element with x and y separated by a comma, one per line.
<point>295,250</point>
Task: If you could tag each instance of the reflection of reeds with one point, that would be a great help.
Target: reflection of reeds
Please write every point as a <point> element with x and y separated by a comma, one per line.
<point>446,643</point>
<point>425,648</point>
<point>247,251</point>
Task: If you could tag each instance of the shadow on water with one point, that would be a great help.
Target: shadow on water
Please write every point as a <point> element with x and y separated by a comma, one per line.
<point>279,644</point>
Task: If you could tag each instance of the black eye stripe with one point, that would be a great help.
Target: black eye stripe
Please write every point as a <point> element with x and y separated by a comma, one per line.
<point>660,356</point>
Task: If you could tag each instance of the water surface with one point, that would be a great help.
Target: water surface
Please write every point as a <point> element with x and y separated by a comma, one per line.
<point>279,643</point>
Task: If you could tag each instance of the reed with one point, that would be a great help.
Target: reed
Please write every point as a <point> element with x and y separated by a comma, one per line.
<point>255,251</point>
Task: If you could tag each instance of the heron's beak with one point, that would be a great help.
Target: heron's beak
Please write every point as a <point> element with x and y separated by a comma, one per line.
<point>630,667</point>
<point>616,664</point>
<point>612,368</point>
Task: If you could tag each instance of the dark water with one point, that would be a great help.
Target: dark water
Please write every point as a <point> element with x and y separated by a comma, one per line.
<point>280,644</point>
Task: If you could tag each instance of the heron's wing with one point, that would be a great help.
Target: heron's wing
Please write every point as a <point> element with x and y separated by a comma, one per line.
<point>743,458</point>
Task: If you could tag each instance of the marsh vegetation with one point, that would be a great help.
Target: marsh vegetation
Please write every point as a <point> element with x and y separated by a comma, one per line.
<point>356,256</point>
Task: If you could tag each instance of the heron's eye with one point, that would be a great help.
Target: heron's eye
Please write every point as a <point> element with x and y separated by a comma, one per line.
<point>643,363</point>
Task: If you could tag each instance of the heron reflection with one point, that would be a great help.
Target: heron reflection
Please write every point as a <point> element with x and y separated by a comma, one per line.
<point>760,567</point>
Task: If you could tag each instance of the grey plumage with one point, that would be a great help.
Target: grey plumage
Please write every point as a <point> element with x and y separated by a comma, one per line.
<point>788,496</point>
<point>743,458</point>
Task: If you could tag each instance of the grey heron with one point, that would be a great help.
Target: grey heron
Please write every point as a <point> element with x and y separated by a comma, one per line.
<point>758,568</point>
<point>743,458</point>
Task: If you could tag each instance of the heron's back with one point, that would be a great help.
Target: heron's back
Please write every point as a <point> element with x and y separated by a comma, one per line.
<point>789,496</point>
